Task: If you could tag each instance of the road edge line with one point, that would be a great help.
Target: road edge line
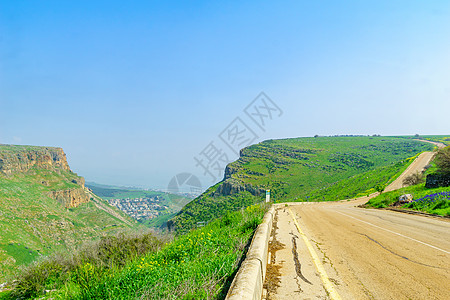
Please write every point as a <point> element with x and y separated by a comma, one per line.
<point>399,234</point>
<point>329,287</point>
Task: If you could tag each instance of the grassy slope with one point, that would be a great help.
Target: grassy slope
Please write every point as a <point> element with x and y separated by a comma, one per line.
<point>445,139</point>
<point>198,265</point>
<point>33,224</point>
<point>417,191</point>
<point>306,169</point>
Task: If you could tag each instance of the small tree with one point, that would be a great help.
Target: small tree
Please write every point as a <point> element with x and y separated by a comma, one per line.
<point>443,160</point>
<point>413,179</point>
<point>380,188</point>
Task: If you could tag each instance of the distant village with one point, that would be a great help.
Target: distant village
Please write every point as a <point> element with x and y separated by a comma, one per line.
<point>140,208</point>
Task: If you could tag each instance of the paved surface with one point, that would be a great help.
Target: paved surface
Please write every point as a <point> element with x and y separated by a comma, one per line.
<point>335,250</point>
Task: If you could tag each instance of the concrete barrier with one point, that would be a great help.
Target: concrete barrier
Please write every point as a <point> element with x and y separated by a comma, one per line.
<point>249,280</point>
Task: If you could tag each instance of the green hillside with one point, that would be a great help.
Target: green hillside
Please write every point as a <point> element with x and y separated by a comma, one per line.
<point>432,198</point>
<point>33,222</point>
<point>172,203</point>
<point>303,169</point>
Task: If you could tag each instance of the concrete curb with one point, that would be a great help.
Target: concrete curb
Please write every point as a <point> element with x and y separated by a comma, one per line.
<point>248,282</point>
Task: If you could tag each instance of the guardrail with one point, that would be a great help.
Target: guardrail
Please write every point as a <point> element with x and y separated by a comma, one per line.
<point>248,282</point>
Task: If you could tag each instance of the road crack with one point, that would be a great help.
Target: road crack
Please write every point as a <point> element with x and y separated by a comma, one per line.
<point>298,266</point>
<point>401,256</point>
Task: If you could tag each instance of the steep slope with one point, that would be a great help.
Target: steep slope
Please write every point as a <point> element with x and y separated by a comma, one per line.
<point>45,207</point>
<point>303,169</point>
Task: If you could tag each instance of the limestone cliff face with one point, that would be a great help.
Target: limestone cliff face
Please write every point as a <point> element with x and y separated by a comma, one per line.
<point>231,185</point>
<point>17,159</point>
<point>71,197</point>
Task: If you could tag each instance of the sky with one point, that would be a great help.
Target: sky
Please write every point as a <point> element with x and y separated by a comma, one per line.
<point>136,91</point>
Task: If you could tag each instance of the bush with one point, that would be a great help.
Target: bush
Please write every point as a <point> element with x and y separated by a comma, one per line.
<point>380,188</point>
<point>413,179</point>
<point>91,261</point>
<point>443,160</point>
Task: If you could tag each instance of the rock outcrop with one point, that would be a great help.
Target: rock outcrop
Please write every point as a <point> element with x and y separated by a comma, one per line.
<point>71,197</point>
<point>233,186</point>
<point>17,159</point>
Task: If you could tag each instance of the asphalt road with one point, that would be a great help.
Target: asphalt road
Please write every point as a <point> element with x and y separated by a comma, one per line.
<point>336,250</point>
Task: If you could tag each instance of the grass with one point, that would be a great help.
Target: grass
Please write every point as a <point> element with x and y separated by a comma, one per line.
<point>108,253</point>
<point>21,254</point>
<point>33,224</point>
<point>425,199</point>
<point>430,200</point>
<point>303,169</point>
<point>445,139</point>
<point>198,265</point>
<point>436,203</point>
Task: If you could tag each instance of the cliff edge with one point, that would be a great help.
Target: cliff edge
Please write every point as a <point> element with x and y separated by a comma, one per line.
<point>38,162</point>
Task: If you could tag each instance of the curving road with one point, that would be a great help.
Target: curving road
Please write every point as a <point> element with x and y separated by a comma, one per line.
<point>335,250</point>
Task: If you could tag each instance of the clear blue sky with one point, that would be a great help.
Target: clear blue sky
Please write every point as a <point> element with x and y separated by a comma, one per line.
<point>134,90</point>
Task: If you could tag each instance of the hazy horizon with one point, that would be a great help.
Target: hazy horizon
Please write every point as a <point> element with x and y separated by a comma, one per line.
<point>133,93</point>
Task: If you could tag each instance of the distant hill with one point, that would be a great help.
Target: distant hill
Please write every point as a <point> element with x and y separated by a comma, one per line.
<point>45,207</point>
<point>303,169</point>
<point>170,203</point>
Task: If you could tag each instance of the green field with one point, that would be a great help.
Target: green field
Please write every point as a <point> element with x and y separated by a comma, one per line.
<point>304,169</point>
<point>121,193</point>
<point>201,262</point>
<point>430,200</point>
<point>198,265</point>
<point>418,191</point>
<point>445,139</point>
<point>34,225</point>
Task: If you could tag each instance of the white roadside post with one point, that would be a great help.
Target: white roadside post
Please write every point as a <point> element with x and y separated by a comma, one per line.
<point>267,196</point>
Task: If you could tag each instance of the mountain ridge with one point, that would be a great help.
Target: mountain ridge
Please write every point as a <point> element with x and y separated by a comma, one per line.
<point>302,169</point>
<point>45,207</point>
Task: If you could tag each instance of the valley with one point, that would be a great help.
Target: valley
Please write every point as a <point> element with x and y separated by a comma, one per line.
<point>307,174</point>
<point>45,208</point>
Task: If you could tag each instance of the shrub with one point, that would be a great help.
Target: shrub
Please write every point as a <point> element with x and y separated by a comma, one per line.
<point>413,179</point>
<point>380,188</point>
<point>443,160</point>
<point>91,261</point>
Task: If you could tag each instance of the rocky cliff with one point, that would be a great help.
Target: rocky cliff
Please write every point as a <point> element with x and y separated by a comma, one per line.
<point>32,160</point>
<point>15,159</point>
<point>301,169</point>
<point>36,188</point>
<point>70,197</point>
